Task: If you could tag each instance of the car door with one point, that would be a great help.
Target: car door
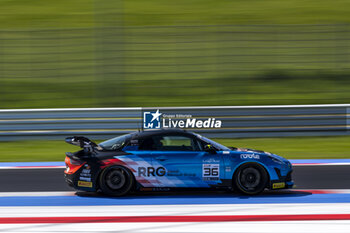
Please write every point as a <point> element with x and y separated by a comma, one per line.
<point>185,162</point>
<point>139,160</point>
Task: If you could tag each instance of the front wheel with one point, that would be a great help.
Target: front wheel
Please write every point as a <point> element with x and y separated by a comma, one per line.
<point>116,181</point>
<point>250,178</point>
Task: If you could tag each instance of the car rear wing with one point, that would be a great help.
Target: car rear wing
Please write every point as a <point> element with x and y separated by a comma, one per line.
<point>82,142</point>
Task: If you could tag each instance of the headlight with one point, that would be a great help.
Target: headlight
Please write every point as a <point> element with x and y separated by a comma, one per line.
<point>276,160</point>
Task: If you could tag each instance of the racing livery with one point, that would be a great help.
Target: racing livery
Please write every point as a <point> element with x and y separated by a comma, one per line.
<point>171,158</point>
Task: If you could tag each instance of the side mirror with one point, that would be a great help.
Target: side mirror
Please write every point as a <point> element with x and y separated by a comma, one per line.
<point>210,149</point>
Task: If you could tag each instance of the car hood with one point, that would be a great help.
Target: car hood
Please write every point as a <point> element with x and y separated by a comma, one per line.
<point>261,152</point>
<point>251,150</point>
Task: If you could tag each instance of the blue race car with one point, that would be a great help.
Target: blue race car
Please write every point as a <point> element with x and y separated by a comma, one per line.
<point>171,158</point>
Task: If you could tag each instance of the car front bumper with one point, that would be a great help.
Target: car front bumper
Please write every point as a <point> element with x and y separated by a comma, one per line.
<point>283,182</point>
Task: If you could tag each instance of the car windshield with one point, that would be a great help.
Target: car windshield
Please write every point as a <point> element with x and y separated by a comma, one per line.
<point>211,142</point>
<point>115,143</point>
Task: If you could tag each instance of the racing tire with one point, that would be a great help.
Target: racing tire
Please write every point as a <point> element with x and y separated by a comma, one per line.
<point>250,179</point>
<point>116,181</point>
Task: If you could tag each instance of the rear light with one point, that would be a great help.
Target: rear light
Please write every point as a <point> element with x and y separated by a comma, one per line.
<point>72,165</point>
<point>75,162</point>
<point>70,161</point>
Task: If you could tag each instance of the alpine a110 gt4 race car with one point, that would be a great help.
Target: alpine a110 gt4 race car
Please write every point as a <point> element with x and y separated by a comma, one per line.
<point>171,158</point>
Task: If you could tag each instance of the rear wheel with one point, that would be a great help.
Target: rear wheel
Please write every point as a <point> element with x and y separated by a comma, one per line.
<point>116,181</point>
<point>250,178</point>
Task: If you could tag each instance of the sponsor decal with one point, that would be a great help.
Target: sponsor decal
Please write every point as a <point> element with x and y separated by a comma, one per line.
<point>86,171</point>
<point>174,173</point>
<point>278,185</point>
<point>85,184</point>
<point>250,156</point>
<point>85,178</point>
<point>151,171</point>
<point>227,169</point>
<point>85,174</point>
<point>211,160</point>
<point>134,142</point>
<point>157,120</point>
<point>211,172</point>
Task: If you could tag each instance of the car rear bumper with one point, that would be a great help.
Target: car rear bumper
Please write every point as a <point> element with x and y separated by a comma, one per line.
<point>73,180</point>
<point>69,179</point>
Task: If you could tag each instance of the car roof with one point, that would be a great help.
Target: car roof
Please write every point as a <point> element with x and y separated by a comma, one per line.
<point>154,132</point>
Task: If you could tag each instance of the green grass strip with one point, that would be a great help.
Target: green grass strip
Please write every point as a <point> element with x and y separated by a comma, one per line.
<point>291,148</point>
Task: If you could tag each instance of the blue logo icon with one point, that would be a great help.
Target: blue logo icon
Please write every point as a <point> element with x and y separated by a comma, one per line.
<point>152,120</point>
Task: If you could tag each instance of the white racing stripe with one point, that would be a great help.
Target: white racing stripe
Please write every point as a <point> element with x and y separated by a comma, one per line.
<point>176,210</point>
<point>35,194</point>
<point>217,227</point>
<point>319,226</point>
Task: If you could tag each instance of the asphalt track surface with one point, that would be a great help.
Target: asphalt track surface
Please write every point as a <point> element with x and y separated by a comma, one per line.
<point>37,180</point>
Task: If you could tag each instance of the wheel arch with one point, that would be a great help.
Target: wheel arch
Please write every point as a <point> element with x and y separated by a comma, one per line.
<point>101,171</point>
<point>253,162</point>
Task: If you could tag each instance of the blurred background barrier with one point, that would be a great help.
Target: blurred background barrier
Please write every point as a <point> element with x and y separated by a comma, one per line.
<point>237,121</point>
<point>214,65</point>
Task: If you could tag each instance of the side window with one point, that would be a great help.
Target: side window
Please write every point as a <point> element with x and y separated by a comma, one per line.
<point>202,144</point>
<point>146,144</point>
<point>175,143</point>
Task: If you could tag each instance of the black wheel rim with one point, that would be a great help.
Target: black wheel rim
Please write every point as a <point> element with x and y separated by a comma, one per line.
<point>250,179</point>
<point>116,179</point>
